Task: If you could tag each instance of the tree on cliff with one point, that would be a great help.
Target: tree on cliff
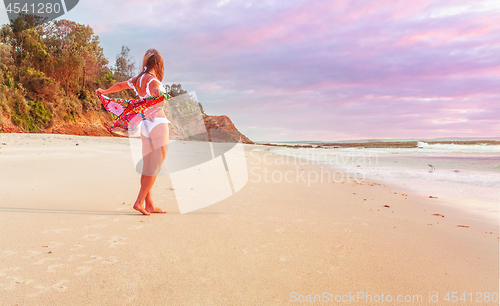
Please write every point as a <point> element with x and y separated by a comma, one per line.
<point>124,65</point>
<point>76,57</point>
<point>175,89</point>
<point>48,71</point>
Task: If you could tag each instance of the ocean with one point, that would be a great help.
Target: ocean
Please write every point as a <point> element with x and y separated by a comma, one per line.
<point>466,176</point>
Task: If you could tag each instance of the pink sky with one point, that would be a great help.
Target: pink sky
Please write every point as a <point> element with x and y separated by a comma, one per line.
<point>322,70</point>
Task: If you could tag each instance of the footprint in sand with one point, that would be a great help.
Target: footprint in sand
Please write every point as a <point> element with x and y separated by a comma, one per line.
<point>55,244</point>
<point>59,287</point>
<point>123,208</point>
<point>56,231</point>
<point>42,289</point>
<point>3,271</point>
<point>111,260</point>
<point>116,241</point>
<point>52,268</point>
<point>14,281</point>
<point>95,226</point>
<point>33,254</point>
<point>42,261</point>
<point>98,218</point>
<point>83,270</point>
<point>121,219</point>
<point>94,258</point>
<point>91,237</point>
<point>77,247</point>
<point>139,226</point>
<point>75,257</point>
<point>7,253</point>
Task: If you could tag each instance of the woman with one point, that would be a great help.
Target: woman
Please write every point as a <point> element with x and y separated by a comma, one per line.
<point>154,134</point>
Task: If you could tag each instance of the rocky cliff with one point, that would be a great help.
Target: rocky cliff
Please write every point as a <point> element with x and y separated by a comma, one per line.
<point>222,129</point>
<point>96,123</point>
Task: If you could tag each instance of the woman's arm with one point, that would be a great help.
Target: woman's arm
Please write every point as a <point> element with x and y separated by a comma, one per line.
<point>114,88</point>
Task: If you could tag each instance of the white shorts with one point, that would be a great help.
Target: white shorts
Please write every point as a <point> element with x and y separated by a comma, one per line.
<point>147,126</point>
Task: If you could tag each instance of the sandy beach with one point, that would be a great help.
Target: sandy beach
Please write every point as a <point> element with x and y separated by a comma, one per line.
<point>69,236</point>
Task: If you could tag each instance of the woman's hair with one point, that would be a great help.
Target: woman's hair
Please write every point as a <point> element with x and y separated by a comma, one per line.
<point>152,61</point>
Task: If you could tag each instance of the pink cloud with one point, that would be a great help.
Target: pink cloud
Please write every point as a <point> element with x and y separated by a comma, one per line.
<point>326,69</point>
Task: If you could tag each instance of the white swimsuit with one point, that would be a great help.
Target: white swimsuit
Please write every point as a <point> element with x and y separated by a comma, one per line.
<point>146,125</point>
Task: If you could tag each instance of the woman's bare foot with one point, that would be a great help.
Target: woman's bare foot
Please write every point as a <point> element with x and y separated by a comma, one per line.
<point>151,208</point>
<point>140,208</point>
<point>155,210</point>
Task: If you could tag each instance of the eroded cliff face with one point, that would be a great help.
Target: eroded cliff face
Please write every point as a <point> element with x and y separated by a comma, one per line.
<point>219,128</point>
<point>93,123</point>
<point>222,129</point>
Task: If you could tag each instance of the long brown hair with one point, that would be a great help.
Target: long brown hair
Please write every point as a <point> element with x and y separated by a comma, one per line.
<point>152,61</point>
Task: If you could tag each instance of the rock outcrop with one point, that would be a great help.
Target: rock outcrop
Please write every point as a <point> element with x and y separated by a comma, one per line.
<point>220,128</point>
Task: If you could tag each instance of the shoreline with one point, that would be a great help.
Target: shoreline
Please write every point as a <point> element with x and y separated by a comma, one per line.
<point>469,198</point>
<point>422,202</point>
<point>78,241</point>
<point>379,144</point>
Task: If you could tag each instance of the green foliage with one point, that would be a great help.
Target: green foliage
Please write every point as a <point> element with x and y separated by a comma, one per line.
<point>4,98</point>
<point>30,115</point>
<point>50,71</point>
<point>43,88</point>
<point>8,79</point>
<point>175,90</point>
<point>88,101</point>
<point>109,76</point>
<point>27,21</point>
<point>40,114</point>
<point>124,65</point>
<point>6,59</point>
<point>50,68</point>
<point>70,117</point>
<point>3,101</point>
<point>71,105</point>
<point>77,58</point>
<point>33,73</point>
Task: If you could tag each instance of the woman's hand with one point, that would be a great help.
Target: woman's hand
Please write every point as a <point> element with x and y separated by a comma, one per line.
<point>99,90</point>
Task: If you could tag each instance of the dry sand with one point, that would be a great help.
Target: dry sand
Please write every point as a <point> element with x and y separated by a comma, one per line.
<point>66,238</point>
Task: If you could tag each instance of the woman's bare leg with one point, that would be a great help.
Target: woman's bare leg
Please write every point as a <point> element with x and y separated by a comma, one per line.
<point>147,177</point>
<point>150,207</point>
<point>146,185</point>
<point>152,161</point>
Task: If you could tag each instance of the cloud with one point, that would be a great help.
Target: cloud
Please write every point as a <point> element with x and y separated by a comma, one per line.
<point>322,70</point>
